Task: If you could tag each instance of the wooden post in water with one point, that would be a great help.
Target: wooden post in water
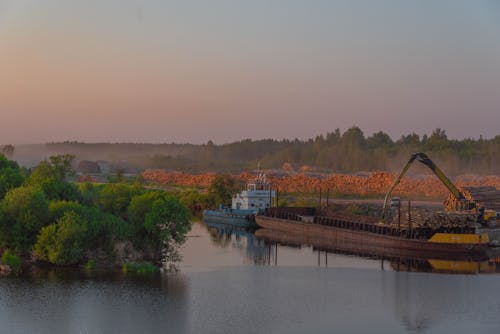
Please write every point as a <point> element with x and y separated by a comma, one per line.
<point>270,197</point>
<point>399,215</point>
<point>327,196</point>
<point>320,199</point>
<point>276,254</point>
<point>410,225</point>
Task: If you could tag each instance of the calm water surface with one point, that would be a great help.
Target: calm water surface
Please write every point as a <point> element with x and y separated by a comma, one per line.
<point>234,282</point>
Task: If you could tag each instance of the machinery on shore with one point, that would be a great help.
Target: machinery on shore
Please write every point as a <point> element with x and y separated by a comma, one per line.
<point>460,201</point>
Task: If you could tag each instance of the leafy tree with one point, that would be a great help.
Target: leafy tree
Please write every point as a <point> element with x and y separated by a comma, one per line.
<point>141,205</point>
<point>88,193</point>
<point>11,175</point>
<point>12,260</point>
<point>57,209</point>
<point>60,190</point>
<point>115,198</point>
<point>194,200</point>
<point>353,137</point>
<point>222,188</point>
<point>50,177</point>
<point>62,165</point>
<point>379,140</point>
<point>102,229</point>
<point>437,141</point>
<point>62,243</point>
<point>167,223</point>
<point>26,212</point>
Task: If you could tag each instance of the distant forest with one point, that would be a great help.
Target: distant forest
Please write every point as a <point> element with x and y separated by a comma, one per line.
<point>347,152</point>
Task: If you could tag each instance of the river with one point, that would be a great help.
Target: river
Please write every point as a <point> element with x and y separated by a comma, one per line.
<point>234,282</point>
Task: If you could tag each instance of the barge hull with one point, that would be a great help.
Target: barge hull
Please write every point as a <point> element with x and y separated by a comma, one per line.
<point>366,242</point>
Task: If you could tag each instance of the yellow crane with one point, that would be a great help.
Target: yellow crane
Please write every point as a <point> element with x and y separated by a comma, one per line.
<point>464,203</point>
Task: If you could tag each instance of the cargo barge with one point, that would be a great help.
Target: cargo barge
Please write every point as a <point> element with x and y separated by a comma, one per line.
<point>366,233</point>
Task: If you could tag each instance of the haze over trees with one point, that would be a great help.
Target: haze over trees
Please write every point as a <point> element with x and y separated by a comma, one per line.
<point>347,152</point>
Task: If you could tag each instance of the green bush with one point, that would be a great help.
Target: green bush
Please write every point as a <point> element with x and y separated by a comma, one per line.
<point>88,193</point>
<point>11,260</point>
<point>25,213</point>
<point>57,209</point>
<point>10,176</point>
<point>167,222</point>
<point>90,265</point>
<point>115,198</point>
<point>62,243</point>
<point>139,268</point>
<point>195,201</point>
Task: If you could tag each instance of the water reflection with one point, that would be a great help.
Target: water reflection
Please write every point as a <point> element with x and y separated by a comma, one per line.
<point>224,235</point>
<point>267,247</point>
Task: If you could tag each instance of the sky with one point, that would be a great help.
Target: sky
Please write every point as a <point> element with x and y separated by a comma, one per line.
<point>225,70</point>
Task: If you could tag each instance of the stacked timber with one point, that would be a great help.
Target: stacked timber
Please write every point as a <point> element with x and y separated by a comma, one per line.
<point>425,218</point>
<point>486,196</point>
<point>177,178</point>
<point>448,220</point>
<point>417,217</point>
<point>375,183</point>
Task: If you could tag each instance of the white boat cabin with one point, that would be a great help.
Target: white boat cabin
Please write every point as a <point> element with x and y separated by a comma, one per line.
<point>257,196</point>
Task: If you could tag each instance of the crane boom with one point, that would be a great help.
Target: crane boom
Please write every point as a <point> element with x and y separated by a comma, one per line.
<point>424,159</point>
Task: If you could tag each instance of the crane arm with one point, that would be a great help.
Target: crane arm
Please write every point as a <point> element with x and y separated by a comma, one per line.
<point>424,159</point>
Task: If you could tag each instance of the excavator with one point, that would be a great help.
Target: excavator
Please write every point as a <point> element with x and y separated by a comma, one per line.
<point>464,204</point>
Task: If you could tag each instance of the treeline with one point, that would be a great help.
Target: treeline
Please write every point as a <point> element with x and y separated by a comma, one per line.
<point>347,152</point>
<point>45,217</point>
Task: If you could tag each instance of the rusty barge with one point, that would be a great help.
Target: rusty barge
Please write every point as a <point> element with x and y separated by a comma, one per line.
<point>367,234</point>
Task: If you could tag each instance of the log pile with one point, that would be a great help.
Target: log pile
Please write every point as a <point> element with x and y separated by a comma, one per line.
<point>376,183</point>
<point>485,196</point>
<point>448,220</point>
<point>176,178</point>
<point>425,218</point>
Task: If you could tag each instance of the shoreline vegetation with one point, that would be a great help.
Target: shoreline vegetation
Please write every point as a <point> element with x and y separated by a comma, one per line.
<point>47,220</point>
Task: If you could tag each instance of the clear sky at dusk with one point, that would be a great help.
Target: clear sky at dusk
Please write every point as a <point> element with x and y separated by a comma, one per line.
<point>190,71</point>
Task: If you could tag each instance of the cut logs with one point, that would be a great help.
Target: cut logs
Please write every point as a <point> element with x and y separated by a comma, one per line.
<point>487,197</point>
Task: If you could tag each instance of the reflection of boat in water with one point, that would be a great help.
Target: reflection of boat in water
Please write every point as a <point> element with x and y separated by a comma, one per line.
<point>365,234</point>
<point>399,261</point>
<point>245,205</point>
<point>242,238</point>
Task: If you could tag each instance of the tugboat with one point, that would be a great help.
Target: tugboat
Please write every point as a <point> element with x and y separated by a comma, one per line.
<point>245,205</point>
